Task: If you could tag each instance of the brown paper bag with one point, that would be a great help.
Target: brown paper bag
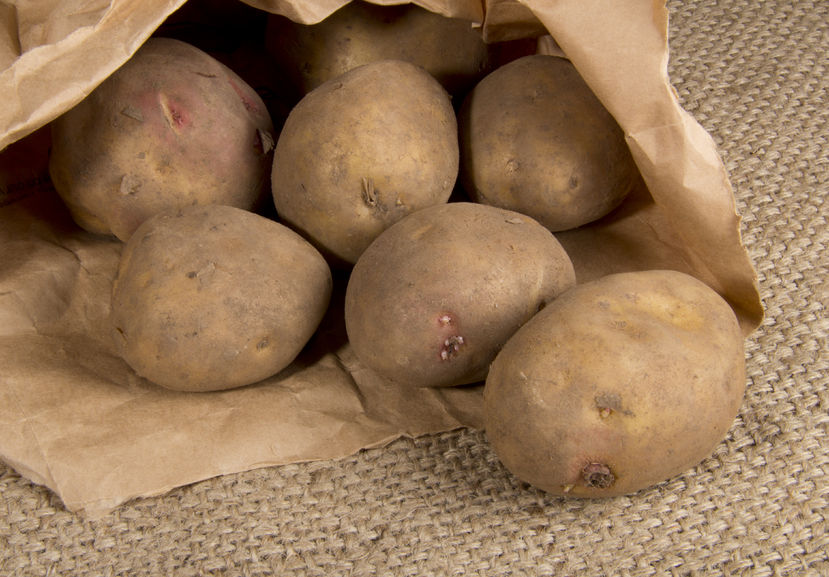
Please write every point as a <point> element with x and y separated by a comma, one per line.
<point>74,417</point>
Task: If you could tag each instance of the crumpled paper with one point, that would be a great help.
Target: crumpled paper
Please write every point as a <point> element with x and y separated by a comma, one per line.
<point>75,417</point>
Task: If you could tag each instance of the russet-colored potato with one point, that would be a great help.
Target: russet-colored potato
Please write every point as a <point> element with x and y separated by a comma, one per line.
<point>434,297</point>
<point>449,49</point>
<point>361,152</point>
<point>536,140</point>
<point>617,385</point>
<point>215,297</point>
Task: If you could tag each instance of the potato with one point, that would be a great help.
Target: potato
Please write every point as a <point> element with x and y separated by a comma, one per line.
<point>536,140</point>
<point>450,49</point>
<point>617,385</point>
<point>361,152</point>
<point>215,297</point>
<point>172,127</point>
<point>234,34</point>
<point>434,298</point>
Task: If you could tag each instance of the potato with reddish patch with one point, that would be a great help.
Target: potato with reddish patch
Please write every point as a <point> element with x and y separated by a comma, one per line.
<point>361,152</point>
<point>171,128</point>
<point>215,297</point>
<point>617,385</point>
<point>434,298</point>
<point>535,139</point>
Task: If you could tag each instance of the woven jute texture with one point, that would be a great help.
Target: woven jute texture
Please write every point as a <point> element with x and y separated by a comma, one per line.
<point>754,75</point>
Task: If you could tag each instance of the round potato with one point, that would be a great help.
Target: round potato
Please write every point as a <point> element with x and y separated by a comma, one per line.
<point>450,49</point>
<point>361,152</point>
<point>434,298</point>
<point>535,139</point>
<point>619,384</point>
<point>171,128</point>
<point>215,297</point>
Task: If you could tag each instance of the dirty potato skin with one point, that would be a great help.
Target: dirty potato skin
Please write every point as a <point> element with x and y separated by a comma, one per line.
<point>535,139</point>
<point>361,152</point>
<point>450,49</point>
<point>172,127</point>
<point>434,298</point>
<point>617,385</point>
<point>215,297</point>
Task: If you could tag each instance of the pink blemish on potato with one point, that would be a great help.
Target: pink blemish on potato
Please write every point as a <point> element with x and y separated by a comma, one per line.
<point>450,347</point>
<point>173,112</point>
<point>249,104</point>
<point>452,341</point>
<point>445,320</point>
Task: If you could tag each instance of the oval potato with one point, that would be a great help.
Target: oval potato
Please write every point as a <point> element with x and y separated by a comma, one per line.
<point>170,128</point>
<point>362,151</point>
<point>434,298</point>
<point>617,385</point>
<point>215,297</point>
<point>536,140</point>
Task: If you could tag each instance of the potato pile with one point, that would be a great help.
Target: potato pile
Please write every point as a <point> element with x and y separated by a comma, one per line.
<point>431,175</point>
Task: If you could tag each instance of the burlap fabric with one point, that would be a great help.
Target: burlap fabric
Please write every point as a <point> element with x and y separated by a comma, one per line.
<point>754,74</point>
